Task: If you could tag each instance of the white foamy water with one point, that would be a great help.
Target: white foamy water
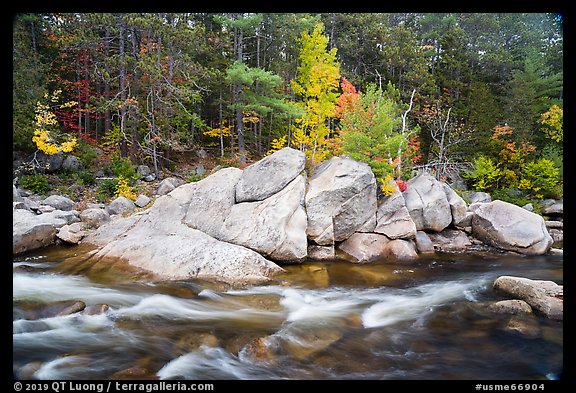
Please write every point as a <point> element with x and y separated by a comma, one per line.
<point>50,287</point>
<point>316,305</point>
<point>213,362</point>
<point>410,304</point>
<point>170,307</point>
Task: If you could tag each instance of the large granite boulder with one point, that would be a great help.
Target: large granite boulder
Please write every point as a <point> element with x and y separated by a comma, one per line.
<point>275,226</point>
<point>31,231</point>
<point>341,199</point>
<point>427,203</point>
<point>157,240</point>
<point>271,174</point>
<point>211,200</point>
<point>509,227</point>
<point>393,218</point>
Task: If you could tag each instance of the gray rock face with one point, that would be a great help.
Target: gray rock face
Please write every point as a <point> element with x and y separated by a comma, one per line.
<point>423,243</point>
<point>341,198</point>
<point>16,195</point>
<point>31,231</point>
<point>275,226</point>
<point>269,175</point>
<point>142,200</point>
<point>365,247</point>
<point>321,253</point>
<point>427,203</point>
<point>94,217</point>
<point>72,163</point>
<point>211,200</point>
<point>120,205</point>
<point>458,206</point>
<point>401,249</point>
<point>479,197</point>
<point>450,240</point>
<point>393,218</point>
<point>157,240</point>
<point>59,202</point>
<point>543,296</point>
<point>169,184</point>
<point>143,171</point>
<point>556,209</point>
<point>72,233</point>
<point>509,227</point>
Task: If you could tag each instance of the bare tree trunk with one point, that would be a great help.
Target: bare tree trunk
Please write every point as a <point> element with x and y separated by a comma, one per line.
<point>107,113</point>
<point>237,93</point>
<point>122,53</point>
<point>404,137</point>
<point>220,120</point>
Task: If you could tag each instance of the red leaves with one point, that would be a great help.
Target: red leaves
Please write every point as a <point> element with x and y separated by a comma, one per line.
<point>401,185</point>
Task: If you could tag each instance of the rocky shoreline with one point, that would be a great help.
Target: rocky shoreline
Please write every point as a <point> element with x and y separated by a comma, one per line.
<point>239,226</point>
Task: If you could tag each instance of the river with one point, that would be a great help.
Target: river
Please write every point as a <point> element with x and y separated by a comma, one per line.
<point>425,319</point>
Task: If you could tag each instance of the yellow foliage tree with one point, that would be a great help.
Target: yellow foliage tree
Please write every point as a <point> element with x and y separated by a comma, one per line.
<point>316,87</point>
<point>552,122</point>
<point>45,123</point>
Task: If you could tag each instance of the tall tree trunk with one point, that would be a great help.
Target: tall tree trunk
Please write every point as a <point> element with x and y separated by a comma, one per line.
<point>220,120</point>
<point>107,113</point>
<point>122,52</point>
<point>237,94</point>
<point>86,98</point>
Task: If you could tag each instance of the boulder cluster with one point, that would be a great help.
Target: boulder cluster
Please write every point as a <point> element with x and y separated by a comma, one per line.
<point>234,225</point>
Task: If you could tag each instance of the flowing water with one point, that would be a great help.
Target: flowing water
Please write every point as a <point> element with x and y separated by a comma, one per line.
<point>426,319</point>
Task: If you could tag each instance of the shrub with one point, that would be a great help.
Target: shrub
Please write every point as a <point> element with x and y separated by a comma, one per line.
<point>122,167</point>
<point>85,153</point>
<point>193,177</point>
<point>37,183</point>
<point>539,177</point>
<point>106,190</point>
<point>386,186</point>
<point>123,188</point>
<point>512,196</point>
<point>484,175</point>
<point>85,178</point>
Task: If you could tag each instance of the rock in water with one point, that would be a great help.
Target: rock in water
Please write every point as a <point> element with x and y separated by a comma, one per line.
<point>543,296</point>
<point>509,227</point>
<point>341,198</point>
<point>157,240</point>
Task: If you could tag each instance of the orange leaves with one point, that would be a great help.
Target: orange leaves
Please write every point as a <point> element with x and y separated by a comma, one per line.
<point>347,99</point>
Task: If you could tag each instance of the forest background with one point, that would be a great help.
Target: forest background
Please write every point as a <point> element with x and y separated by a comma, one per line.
<point>475,98</point>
